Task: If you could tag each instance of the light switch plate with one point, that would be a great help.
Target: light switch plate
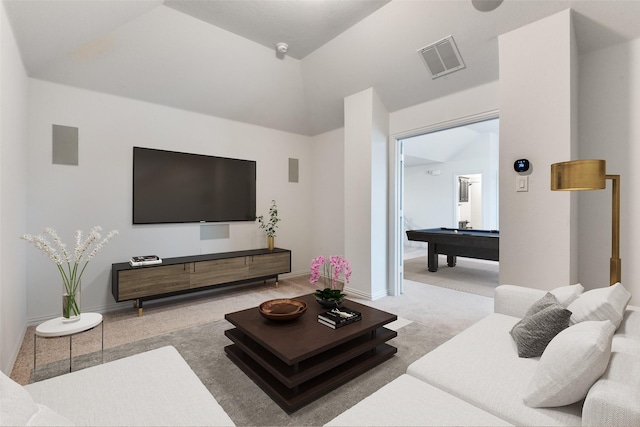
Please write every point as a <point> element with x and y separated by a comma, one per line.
<point>522,183</point>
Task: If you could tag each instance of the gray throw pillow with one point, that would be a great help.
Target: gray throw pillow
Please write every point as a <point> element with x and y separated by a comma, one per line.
<point>534,332</point>
<point>548,300</point>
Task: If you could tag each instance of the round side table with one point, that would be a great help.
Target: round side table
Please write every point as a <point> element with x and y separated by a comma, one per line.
<point>57,328</point>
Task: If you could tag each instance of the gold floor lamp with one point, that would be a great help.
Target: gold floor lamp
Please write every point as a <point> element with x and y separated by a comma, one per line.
<point>579,175</point>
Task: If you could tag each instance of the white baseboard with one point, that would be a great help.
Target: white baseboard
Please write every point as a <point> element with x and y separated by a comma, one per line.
<point>13,356</point>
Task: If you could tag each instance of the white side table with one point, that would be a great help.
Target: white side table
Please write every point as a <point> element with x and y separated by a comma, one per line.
<point>57,328</point>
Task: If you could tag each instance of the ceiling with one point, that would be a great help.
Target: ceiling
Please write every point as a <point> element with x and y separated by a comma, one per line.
<point>441,146</point>
<point>303,25</point>
<point>219,58</point>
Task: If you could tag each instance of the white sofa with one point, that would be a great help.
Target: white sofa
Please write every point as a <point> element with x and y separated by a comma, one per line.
<point>477,377</point>
<point>155,388</point>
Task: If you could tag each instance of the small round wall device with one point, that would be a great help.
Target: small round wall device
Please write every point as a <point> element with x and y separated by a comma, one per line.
<point>521,165</point>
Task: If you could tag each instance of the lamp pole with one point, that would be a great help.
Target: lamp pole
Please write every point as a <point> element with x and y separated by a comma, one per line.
<point>615,263</point>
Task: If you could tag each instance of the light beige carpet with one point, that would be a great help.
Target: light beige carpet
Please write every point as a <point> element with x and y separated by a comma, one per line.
<point>202,346</point>
<point>469,275</point>
<point>443,310</point>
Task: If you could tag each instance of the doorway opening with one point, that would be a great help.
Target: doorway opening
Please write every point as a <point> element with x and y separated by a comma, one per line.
<point>468,212</point>
<point>445,177</point>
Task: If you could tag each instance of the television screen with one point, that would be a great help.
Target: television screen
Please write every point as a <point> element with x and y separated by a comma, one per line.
<point>173,187</point>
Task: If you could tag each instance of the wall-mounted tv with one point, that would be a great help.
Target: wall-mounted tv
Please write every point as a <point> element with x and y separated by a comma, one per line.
<point>173,187</point>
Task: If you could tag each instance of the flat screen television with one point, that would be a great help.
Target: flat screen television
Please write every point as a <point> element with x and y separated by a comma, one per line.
<point>174,187</point>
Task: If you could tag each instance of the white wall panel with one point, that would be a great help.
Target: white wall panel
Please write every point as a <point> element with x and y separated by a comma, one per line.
<point>13,189</point>
<point>99,190</point>
<point>609,129</point>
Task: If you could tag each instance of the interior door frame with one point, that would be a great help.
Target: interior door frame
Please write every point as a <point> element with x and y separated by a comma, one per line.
<point>396,185</point>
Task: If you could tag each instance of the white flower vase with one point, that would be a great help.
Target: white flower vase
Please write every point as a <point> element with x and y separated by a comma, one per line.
<point>71,305</point>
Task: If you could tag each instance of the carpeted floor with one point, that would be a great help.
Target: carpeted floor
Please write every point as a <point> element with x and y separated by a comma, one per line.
<point>469,275</point>
<point>202,346</point>
<point>195,326</point>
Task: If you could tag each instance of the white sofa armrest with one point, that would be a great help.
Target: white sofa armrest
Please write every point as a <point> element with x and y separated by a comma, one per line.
<point>515,300</point>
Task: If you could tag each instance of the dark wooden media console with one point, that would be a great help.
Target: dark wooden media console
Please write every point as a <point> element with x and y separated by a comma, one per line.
<point>195,273</point>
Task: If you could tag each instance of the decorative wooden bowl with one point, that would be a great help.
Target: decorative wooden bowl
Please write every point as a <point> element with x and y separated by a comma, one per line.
<point>283,309</point>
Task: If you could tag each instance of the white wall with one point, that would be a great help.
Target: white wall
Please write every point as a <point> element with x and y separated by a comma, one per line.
<point>98,191</point>
<point>13,189</point>
<point>445,112</point>
<point>609,95</point>
<point>537,227</point>
<point>328,170</point>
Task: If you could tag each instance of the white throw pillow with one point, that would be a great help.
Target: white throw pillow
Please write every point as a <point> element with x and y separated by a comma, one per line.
<point>570,364</point>
<point>567,294</point>
<point>601,304</point>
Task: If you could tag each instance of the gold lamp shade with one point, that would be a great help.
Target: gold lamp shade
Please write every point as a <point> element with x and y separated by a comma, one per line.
<point>578,175</point>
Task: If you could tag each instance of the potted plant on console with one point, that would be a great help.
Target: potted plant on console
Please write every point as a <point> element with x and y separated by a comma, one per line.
<point>331,296</point>
<point>270,226</point>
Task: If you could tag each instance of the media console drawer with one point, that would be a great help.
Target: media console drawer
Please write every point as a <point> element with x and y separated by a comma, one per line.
<point>143,282</point>
<point>218,271</point>
<point>196,273</point>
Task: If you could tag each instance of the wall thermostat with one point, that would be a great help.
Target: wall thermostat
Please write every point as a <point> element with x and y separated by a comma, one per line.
<point>521,165</point>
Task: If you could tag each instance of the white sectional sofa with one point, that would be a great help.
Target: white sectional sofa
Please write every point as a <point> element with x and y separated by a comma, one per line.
<point>155,388</point>
<point>587,374</point>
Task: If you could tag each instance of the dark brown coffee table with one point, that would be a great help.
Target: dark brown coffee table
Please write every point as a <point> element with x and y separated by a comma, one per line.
<point>297,362</point>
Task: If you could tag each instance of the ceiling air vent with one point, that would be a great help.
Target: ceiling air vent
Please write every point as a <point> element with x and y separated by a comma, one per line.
<point>442,57</point>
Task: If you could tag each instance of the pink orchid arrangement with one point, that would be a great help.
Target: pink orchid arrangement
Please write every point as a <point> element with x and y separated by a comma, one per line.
<point>332,269</point>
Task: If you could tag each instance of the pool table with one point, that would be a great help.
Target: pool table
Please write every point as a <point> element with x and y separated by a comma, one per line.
<point>453,242</point>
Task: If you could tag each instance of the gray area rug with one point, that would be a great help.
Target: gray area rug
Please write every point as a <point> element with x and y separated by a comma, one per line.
<point>471,276</point>
<point>202,347</point>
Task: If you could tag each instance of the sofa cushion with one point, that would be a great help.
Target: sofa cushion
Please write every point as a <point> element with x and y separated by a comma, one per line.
<point>570,365</point>
<point>613,399</point>
<point>155,388</point>
<point>601,304</point>
<point>481,366</point>
<point>543,321</point>
<point>630,325</point>
<point>17,407</point>
<point>46,416</point>
<point>512,300</point>
<point>515,300</point>
<point>567,294</point>
<point>407,401</point>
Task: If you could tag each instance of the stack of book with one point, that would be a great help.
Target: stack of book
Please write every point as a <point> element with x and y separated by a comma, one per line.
<point>137,261</point>
<point>339,317</point>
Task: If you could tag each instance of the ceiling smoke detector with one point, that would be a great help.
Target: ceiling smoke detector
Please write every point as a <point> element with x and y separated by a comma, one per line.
<point>442,57</point>
<point>282,48</point>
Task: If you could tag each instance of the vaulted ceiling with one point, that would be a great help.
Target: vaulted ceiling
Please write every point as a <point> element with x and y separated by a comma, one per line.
<point>219,58</point>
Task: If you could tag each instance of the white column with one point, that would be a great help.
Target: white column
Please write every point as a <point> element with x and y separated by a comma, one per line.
<point>366,177</point>
<point>538,66</point>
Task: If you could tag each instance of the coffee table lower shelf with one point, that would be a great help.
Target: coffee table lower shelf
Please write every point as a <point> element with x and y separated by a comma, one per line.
<point>292,399</point>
